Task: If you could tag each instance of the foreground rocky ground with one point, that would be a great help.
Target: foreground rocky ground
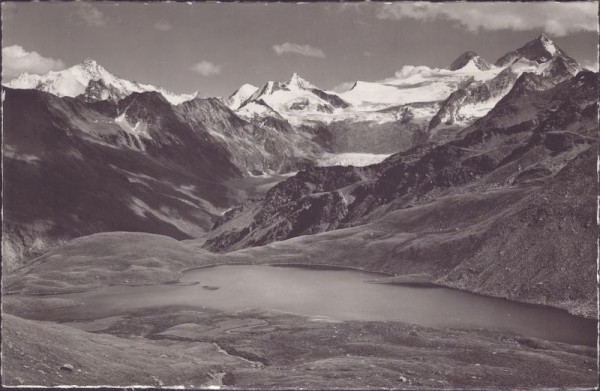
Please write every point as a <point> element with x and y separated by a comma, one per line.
<point>260,349</point>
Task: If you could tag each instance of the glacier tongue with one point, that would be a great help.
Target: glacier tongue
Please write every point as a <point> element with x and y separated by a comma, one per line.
<point>356,159</point>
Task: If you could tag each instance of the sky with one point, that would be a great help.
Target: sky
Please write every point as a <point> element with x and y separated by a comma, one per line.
<point>214,48</point>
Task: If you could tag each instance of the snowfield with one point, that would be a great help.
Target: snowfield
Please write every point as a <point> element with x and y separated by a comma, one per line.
<point>415,84</point>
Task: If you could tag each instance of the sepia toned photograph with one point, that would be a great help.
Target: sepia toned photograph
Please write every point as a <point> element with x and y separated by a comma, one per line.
<point>280,196</point>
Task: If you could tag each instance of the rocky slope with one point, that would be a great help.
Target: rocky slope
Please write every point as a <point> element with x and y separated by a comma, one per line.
<point>253,148</point>
<point>543,248</point>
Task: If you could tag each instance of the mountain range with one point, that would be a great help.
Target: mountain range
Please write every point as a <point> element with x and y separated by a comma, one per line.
<point>479,176</point>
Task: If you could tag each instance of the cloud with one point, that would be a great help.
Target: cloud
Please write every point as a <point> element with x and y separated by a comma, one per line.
<point>558,19</point>
<point>343,7</point>
<point>16,60</point>
<point>294,48</point>
<point>206,68</point>
<point>163,25</point>
<point>86,13</point>
<point>590,65</point>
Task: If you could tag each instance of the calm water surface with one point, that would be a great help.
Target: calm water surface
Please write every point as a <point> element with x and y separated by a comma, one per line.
<point>339,295</point>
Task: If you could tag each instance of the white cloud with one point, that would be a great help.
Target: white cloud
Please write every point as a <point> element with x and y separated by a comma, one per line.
<point>16,60</point>
<point>163,25</point>
<point>342,7</point>
<point>206,68</point>
<point>294,48</point>
<point>87,14</point>
<point>554,18</point>
<point>590,65</point>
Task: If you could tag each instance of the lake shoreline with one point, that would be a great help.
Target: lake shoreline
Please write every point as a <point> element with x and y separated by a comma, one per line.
<point>344,294</point>
<point>407,280</point>
<point>413,280</point>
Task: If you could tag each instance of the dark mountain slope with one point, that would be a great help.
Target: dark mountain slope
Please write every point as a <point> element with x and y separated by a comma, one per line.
<point>75,167</point>
<point>253,148</point>
<point>71,170</point>
<point>520,134</point>
<point>544,248</point>
<point>154,125</point>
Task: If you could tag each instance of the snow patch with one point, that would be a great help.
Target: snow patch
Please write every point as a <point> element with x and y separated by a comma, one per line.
<point>548,45</point>
<point>139,130</point>
<point>12,153</point>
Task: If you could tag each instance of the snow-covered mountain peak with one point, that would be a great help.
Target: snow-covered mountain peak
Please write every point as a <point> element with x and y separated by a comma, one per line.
<point>91,64</point>
<point>297,82</point>
<point>296,100</point>
<point>90,69</point>
<point>296,85</point>
<point>267,89</point>
<point>247,88</point>
<point>541,49</point>
<point>93,70</point>
<point>470,61</point>
<point>91,81</point>
<point>241,95</point>
<point>548,44</point>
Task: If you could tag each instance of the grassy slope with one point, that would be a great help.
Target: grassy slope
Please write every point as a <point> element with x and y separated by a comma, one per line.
<point>104,259</point>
